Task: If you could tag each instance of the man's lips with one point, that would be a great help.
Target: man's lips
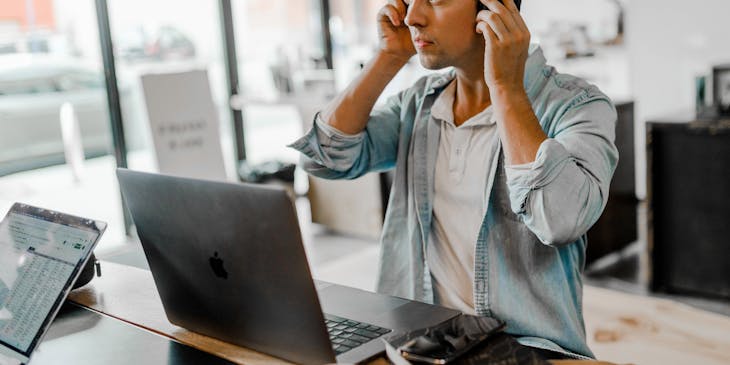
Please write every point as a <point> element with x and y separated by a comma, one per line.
<point>421,42</point>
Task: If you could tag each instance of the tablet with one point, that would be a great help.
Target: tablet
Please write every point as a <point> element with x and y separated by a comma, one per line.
<point>42,252</point>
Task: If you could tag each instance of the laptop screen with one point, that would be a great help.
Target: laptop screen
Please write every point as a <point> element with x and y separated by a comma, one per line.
<point>41,254</point>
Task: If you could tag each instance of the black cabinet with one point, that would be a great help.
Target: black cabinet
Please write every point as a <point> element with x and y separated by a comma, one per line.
<point>688,178</point>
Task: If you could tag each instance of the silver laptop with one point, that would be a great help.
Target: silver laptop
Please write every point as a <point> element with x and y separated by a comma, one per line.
<point>42,253</point>
<point>228,262</point>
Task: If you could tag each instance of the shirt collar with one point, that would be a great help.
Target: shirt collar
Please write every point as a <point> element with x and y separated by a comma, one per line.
<point>443,109</point>
<point>443,106</point>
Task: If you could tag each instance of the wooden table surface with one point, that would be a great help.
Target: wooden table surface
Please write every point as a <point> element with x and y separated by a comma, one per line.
<point>129,294</point>
<point>626,328</point>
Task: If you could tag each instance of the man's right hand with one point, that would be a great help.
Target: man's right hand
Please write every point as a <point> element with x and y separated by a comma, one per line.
<point>350,111</point>
<point>393,33</point>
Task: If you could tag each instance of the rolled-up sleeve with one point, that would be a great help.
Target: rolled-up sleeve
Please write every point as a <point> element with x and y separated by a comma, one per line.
<point>563,192</point>
<point>325,147</point>
<point>331,154</point>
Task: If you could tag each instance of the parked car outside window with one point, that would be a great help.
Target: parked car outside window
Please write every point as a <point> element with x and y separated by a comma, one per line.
<point>32,89</point>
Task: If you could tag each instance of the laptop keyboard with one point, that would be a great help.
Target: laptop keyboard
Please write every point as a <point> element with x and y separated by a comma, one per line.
<point>346,334</point>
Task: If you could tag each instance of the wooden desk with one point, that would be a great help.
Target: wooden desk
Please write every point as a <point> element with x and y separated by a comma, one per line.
<point>129,294</point>
<point>80,336</point>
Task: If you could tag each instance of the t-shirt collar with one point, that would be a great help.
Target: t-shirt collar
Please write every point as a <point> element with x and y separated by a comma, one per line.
<point>442,109</point>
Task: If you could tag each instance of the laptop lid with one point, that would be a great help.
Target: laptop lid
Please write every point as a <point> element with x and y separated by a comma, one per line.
<point>228,262</point>
<point>42,252</point>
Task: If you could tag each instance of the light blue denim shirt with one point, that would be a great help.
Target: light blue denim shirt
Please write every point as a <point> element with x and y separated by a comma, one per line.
<point>530,251</point>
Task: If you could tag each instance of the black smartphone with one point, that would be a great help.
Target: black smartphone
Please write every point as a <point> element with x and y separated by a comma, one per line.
<point>450,340</point>
<point>481,6</point>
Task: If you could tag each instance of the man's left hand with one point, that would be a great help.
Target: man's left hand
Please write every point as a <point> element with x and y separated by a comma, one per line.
<point>506,40</point>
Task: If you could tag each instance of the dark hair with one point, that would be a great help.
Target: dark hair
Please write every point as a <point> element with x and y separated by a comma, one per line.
<point>481,6</point>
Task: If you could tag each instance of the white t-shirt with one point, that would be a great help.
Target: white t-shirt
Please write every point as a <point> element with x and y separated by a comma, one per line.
<point>462,167</point>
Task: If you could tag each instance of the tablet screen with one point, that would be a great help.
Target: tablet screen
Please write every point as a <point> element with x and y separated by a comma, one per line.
<point>41,254</point>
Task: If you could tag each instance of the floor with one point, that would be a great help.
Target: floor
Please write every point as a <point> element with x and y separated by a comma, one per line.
<point>628,271</point>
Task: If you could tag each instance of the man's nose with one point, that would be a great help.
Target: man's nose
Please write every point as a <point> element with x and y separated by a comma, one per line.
<point>415,16</point>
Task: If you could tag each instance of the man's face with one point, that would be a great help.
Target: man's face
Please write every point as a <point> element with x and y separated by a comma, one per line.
<point>443,32</point>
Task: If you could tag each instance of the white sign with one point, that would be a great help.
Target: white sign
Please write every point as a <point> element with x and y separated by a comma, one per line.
<point>184,124</point>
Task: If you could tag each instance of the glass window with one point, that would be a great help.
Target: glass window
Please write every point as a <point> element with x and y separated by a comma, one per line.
<point>167,36</point>
<point>50,65</point>
<point>281,61</point>
<point>354,35</point>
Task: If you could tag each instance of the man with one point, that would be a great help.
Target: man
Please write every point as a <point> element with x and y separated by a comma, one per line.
<point>501,166</point>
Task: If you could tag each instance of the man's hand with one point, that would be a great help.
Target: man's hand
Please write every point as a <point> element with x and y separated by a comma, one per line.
<point>506,40</point>
<point>506,44</point>
<point>395,38</point>
<point>350,111</point>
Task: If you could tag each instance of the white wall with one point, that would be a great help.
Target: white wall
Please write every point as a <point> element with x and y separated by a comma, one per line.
<point>669,42</point>
<point>599,16</point>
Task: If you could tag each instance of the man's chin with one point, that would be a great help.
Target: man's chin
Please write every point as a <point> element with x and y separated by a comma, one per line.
<point>430,62</point>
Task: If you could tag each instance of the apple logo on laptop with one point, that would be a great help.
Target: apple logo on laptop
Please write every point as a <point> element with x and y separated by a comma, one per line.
<point>216,263</point>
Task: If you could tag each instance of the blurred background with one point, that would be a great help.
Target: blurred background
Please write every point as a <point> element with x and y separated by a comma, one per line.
<point>73,107</point>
